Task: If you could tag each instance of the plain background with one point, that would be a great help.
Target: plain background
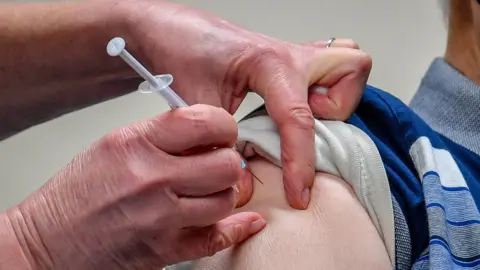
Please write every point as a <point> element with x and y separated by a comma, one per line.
<point>403,37</point>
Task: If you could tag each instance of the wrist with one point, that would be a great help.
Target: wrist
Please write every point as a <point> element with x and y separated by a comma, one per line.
<point>16,243</point>
<point>140,21</point>
<point>98,23</point>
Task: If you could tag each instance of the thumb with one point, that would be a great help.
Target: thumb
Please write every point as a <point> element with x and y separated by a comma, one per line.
<point>232,230</point>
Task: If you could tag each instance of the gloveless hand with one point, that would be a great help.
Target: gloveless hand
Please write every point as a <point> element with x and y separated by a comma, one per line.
<point>215,62</point>
<point>134,201</point>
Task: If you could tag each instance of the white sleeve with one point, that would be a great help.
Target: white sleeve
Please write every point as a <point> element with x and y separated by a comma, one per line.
<point>342,150</point>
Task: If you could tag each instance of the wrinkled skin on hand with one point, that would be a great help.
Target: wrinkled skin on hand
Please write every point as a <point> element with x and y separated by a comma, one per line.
<point>215,62</point>
<point>133,201</point>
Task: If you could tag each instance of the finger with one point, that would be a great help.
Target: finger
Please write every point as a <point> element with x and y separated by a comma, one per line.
<point>295,122</point>
<point>245,187</point>
<point>192,127</point>
<point>339,42</point>
<point>284,90</point>
<point>207,210</point>
<point>288,107</point>
<point>298,158</point>
<point>226,233</point>
<point>344,72</point>
<point>206,173</point>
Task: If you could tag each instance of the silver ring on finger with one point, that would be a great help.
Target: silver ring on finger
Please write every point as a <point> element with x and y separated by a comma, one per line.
<point>329,42</point>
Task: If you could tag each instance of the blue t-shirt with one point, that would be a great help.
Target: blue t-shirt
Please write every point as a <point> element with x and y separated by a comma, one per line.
<point>435,184</point>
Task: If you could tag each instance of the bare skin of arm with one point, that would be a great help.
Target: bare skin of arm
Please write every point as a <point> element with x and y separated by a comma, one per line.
<point>54,60</point>
<point>46,70</point>
<point>335,232</point>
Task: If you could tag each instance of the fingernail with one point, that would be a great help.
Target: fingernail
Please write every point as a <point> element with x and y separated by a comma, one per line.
<point>320,90</point>
<point>235,187</point>
<point>257,225</point>
<point>305,197</point>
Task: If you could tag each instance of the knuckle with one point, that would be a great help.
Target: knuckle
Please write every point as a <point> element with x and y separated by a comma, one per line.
<point>217,241</point>
<point>122,139</point>
<point>365,61</point>
<point>271,51</point>
<point>350,43</point>
<point>262,60</point>
<point>132,147</point>
<point>301,117</point>
<point>362,61</point>
<point>266,54</point>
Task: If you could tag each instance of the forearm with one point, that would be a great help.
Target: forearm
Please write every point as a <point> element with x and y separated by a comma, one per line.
<point>53,60</point>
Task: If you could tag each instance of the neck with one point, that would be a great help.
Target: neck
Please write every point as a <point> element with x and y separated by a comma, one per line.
<point>463,45</point>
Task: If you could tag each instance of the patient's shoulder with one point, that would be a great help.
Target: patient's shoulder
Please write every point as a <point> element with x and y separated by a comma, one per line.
<point>335,232</point>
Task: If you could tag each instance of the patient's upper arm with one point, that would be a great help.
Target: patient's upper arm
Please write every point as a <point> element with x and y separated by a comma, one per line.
<point>335,232</point>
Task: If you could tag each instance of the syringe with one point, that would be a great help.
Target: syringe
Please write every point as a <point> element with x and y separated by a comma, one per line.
<point>159,83</point>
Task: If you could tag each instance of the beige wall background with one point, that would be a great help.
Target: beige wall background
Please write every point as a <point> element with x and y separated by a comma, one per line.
<point>402,36</point>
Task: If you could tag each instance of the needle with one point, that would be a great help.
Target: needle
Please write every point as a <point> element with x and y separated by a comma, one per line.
<point>159,84</point>
<point>255,177</point>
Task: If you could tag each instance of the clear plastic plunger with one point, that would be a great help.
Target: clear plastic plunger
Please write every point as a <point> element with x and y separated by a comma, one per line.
<point>159,83</point>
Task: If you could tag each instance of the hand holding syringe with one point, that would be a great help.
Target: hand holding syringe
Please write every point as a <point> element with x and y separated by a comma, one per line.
<point>159,83</point>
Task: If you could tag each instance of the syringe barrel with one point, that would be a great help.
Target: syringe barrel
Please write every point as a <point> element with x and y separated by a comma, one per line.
<point>173,100</point>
